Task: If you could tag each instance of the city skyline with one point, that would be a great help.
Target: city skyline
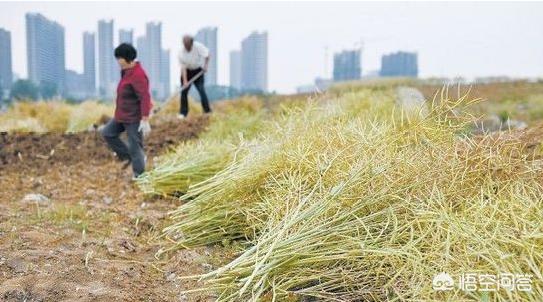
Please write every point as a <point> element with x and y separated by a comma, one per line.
<point>248,66</point>
<point>454,49</point>
<point>45,55</point>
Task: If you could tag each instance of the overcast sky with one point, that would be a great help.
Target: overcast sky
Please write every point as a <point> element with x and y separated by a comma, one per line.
<point>452,39</point>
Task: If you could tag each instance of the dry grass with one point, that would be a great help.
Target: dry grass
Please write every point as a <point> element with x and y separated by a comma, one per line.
<point>45,116</point>
<point>351,199</point>
<point>171,106</point>
<point>519,100</point>
<point>52,116</point>
<point>232,122</point>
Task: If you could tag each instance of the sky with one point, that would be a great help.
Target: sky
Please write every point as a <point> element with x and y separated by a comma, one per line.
<point>468,39</point>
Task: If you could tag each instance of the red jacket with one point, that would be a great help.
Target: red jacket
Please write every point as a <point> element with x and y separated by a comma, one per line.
<point>133,98</point>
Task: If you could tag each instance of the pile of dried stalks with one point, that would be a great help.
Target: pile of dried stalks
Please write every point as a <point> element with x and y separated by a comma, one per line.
<point>350,199</point>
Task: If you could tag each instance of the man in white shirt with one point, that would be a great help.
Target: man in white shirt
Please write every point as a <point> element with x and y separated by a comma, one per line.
<point>194,60</point>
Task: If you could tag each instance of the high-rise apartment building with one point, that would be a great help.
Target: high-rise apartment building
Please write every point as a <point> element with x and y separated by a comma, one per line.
<point>399,64</point>
<point>126,36</point>
<point>208,37</point>
<point>347,65</point>
<point>235,69</point>
<point>108,73</point>
<point>89,63</point>
<point>6,71</point>
<point>45,52</point>
<point>254,62</point>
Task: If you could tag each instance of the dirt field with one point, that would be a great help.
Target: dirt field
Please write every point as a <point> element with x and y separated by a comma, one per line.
<point>90,235</point>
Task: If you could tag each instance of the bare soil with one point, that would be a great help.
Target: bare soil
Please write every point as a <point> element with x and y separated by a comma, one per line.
<point>95,236</point>
<point>39,151</point>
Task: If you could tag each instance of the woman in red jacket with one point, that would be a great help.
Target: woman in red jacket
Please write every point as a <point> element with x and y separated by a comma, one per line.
<point>132,109</point>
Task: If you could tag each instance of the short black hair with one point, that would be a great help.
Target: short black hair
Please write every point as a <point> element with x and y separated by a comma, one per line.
<point>126,51</point>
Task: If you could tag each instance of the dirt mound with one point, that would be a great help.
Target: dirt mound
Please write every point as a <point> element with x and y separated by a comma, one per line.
<point>38,151</point>
<point>531,137</point>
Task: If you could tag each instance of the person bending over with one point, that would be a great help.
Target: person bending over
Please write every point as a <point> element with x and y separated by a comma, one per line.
<point>194,61</point>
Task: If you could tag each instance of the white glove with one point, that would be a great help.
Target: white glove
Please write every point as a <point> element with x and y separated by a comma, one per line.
<point>144,128</point>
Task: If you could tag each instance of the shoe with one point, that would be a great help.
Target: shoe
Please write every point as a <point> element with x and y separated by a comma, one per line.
<point>181,116</point>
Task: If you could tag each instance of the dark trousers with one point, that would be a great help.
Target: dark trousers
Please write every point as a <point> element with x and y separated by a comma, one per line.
<point>199,83</point>
<point>134,150</point>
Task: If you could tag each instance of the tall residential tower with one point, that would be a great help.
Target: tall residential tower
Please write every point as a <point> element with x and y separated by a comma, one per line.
<point>45,52</point>
<point>89,63</point>
<point>208,37</point>
<point>400,64</point>
<point>108,73</point>
<point>347,65</point>
<point>126,36</point>
<point>155,60</point>
<point>235,69</point>
<point>6,71</point>
<point>254,62</point>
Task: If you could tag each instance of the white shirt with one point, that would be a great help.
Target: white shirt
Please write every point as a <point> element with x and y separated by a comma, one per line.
<point>195,58</point>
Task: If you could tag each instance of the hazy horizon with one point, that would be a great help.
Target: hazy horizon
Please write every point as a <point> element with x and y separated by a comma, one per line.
<point>452,39</point>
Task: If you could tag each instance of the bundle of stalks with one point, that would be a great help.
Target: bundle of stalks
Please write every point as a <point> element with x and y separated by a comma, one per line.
<point>191,162</point>
<point>195,161</point>
<point>221,221</point>
<point>224,202</point>
<point>368,206</point>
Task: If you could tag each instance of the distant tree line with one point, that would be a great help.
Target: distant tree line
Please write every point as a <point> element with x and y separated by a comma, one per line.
<point>27,90</point>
